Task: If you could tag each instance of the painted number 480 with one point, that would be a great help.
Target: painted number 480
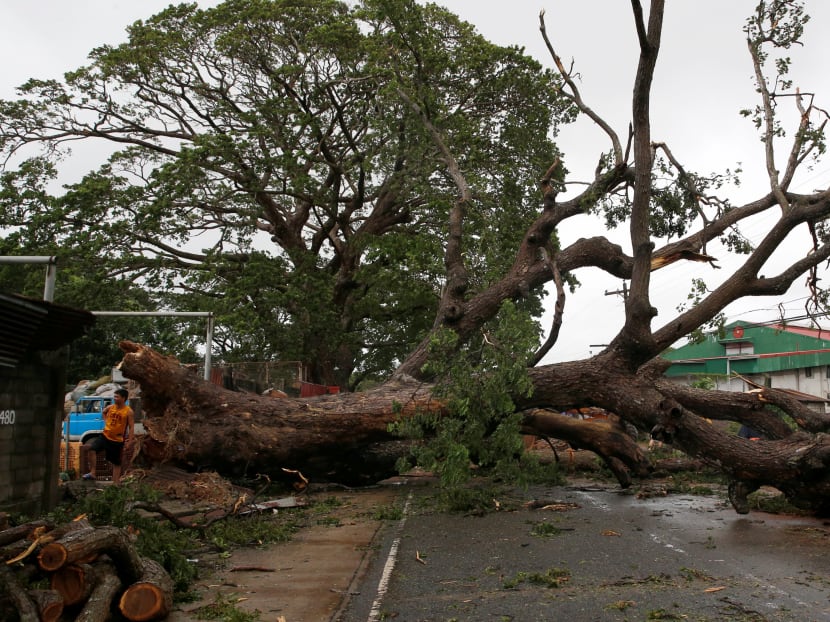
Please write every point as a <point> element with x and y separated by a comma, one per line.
<point>6,417</point>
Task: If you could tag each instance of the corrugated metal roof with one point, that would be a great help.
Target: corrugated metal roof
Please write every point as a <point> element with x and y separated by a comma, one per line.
<point>28,324</point>
<point>773,348</point>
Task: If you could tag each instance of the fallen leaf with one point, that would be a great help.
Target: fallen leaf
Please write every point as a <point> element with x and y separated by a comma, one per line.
<point>609,532</point>
<point>714,589</point>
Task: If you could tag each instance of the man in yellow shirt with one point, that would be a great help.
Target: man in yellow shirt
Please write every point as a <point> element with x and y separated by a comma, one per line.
<point>119,432</point>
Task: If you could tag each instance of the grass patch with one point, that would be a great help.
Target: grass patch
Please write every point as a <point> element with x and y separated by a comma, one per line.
<point>254,530</point>
<point>545,530</point>
<point>480,497</point>
<point>225,608</point>
<point>387,512</point>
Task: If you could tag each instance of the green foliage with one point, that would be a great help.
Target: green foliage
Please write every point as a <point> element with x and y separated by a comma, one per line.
<point>224,608</point>
<point>763,501</point>
<point>545,530</point>
<point>474,498</point>
<point>704,382</point>
<point>257,530</point>
<point>388,512</point>
<point>699,290</point>
<point>476,380</point>
<point>171,546</point>
<point>275,166</point>
<point>155,540</point>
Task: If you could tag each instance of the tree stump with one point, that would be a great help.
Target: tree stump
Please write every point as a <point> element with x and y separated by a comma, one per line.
<point>150,598</point>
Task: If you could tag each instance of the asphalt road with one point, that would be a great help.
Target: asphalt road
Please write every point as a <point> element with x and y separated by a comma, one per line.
<point>595,554</point>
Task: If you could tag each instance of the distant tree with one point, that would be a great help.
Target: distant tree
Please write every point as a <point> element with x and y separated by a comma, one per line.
<point>275,163</point>
<point>393,156</point>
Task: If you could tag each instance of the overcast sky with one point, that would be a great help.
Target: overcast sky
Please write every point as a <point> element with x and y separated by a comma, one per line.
<point>703,79</point>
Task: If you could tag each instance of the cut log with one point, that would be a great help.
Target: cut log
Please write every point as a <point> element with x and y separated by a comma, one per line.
<point>83,544</point>
<point>74,582</point>
<point>99,605</point>
<point>49,604</point>
<point>26,609</point>
<point>151,598</point>
<point>13,534</point>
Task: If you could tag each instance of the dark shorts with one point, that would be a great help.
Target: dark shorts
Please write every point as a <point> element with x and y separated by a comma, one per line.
<point>112,449</point>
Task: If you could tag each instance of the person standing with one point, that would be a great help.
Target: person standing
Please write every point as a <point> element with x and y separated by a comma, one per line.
<point>119,433</point>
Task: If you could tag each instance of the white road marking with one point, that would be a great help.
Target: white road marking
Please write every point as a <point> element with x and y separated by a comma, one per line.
<point>389,566</point>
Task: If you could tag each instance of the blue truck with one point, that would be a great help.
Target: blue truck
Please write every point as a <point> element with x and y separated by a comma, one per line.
<point>86,419</point>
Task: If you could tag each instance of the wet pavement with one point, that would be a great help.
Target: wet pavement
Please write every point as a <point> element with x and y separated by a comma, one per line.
<point>595,553</point>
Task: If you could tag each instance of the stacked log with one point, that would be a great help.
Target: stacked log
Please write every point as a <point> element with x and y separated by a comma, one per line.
<point>90,572</point>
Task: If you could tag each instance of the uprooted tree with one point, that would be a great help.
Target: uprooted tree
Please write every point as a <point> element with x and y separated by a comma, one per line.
<point>406,173</point>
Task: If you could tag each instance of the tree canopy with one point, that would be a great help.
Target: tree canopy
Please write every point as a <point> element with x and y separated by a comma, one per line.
<point>276,162</point>
<point>375,189</point>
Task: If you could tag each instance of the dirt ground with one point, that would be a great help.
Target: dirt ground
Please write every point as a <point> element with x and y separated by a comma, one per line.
<point>304,580</point>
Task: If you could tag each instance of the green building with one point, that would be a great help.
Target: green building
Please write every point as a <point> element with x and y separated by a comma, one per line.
<point>781,356</point>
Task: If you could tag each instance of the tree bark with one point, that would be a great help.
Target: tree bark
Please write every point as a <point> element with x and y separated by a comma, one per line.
<point>13,534</point>
<point>49,604</point>
<point>22,602</point>
<point>97,608</point>
<point>86,544</point>
<point>341,437</point>
<point>331,437</point>
<point>606,438</point>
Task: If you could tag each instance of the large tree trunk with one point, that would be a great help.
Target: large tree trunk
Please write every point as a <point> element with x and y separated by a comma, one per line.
<point>337,437</point>
<point>340,437</point>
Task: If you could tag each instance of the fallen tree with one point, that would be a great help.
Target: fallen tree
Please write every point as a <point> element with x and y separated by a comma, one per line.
<point>434,184</point>
<point>346,438</point>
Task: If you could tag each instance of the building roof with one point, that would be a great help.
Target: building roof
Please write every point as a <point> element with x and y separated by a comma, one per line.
<point>28,324</point>
<point>747,348</point>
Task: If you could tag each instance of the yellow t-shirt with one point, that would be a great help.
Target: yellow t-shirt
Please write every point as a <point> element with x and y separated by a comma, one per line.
<point>116,422</point>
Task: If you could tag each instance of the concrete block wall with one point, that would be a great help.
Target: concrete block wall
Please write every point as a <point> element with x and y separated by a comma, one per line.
<point>31,411</point>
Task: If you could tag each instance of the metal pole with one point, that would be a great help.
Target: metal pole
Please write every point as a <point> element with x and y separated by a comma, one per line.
<point>51,277</point>
<point>208,346</point>
<point>51,270</point>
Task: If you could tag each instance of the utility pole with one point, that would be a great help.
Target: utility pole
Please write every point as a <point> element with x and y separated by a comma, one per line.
<point>623,292</point>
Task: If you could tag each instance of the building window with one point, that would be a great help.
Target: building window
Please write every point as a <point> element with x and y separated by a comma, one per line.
<point>736,349</point>
<point>808,372</point>
<point>768,382</point>
<point>827,372</point>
